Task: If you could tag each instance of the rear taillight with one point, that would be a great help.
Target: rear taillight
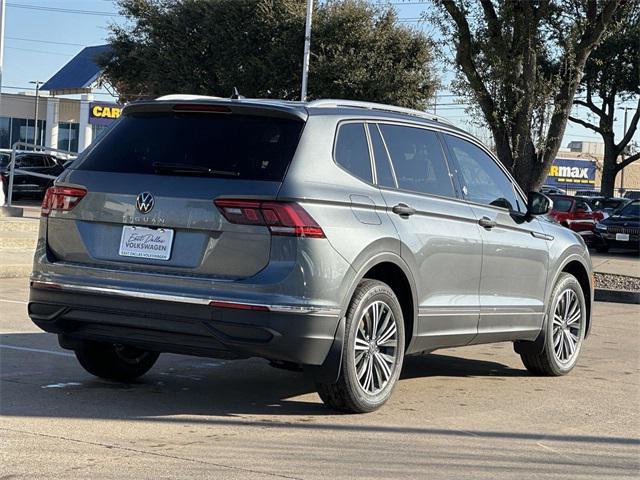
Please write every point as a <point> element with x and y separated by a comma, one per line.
<point>61,198</point>
<point>282,218</point>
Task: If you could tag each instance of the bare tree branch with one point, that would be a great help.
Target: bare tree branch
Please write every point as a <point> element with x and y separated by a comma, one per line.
<point>585,124</point>
<point>492,19</point>
<point>628,160</point>
<point>631,129</point>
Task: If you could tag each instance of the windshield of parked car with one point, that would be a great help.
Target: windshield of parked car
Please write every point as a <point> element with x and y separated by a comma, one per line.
<point>562,204</point>
<point>631,210</point>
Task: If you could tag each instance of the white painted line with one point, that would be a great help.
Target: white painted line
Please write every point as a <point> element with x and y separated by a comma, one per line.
<point>38,350</point>
<point>13,301</point>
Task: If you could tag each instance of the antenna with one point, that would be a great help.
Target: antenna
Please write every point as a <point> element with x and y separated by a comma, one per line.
<point>235,95</point>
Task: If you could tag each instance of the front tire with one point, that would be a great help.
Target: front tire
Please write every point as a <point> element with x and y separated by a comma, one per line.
<point>565,330</point>
<point>115,362</point>
<point>372,353</point>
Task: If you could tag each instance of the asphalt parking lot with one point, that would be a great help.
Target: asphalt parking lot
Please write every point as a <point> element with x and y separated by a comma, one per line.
<point>461,413</point>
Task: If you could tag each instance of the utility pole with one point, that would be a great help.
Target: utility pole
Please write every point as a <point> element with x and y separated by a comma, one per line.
<point>37,83</point>
<point>624,131</point>
<point>307,50</point>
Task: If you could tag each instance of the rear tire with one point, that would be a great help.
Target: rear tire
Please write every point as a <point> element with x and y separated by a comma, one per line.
<point>565,330</point>
<point>372,353</point>
<point>115,362</point>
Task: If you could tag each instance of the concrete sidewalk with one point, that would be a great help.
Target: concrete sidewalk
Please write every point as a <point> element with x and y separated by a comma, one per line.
<point>617,262</point>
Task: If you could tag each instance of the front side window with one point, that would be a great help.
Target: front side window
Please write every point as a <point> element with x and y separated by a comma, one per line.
<point>352,151</point>
<point>582,205</point>
<point>418,160</point>
<point>483,180</point>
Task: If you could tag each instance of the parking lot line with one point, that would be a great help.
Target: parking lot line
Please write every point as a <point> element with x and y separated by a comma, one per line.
<point>38,350</point>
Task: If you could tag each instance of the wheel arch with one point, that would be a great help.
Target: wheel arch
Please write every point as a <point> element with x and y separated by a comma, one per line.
<point>389,268</point>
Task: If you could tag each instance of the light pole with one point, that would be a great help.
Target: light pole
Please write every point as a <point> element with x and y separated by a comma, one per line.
<point>37,83</point>
<point>307,50</point>
<point>2,15</point>
<point>624,132</point>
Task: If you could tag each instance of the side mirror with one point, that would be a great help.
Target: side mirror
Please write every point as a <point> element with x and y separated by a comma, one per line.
<point>538,204</point>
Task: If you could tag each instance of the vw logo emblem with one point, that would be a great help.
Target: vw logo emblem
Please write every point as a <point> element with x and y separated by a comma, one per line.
<point>145,202</point>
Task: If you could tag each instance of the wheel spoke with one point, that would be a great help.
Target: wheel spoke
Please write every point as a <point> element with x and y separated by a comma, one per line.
<point>361,344</point>
<point>375,316</point>
<point>363,367</point>
<point>387,335</point>
<point>384,367</point>
<point>382,326</point>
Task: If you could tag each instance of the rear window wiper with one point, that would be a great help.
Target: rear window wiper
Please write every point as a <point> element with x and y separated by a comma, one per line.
<point>187,168</point>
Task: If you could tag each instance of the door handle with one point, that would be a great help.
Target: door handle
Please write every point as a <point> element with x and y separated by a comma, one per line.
<point>403,210</point>
<point>486,222</point>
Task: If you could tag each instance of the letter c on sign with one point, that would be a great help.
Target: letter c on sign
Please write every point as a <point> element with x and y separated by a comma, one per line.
<point>97,111</point>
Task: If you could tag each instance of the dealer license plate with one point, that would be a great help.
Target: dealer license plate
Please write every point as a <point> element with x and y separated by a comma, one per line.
<point>622,237</point>
<point>143,242</point>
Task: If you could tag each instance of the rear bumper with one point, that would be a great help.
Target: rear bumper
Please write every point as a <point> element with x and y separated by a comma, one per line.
<point>609,240</point>
<point>185,325</point>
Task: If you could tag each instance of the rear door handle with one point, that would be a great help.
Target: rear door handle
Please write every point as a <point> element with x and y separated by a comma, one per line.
<point>403,210</point>
<point>486,222</point>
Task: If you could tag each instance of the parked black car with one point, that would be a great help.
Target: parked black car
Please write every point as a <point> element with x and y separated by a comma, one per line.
<point>28,185</point>
<point>620,230</point>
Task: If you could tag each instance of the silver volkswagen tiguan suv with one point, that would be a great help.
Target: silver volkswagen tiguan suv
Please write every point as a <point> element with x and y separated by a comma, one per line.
<point>333,236</point>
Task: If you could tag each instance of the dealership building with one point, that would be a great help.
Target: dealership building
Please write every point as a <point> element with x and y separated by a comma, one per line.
<point>71,124</point>
<point>64,123</point>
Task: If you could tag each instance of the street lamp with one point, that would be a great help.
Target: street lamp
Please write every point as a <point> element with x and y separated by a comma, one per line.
<point>37,83</point>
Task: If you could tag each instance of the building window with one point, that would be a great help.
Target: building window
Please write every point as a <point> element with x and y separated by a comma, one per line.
<point>98,131</point>
<point>14,130</point>
<point>68,136</point>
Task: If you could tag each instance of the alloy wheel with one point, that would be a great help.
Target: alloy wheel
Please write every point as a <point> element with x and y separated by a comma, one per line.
<point>375,347</point>
<point>567,326</point>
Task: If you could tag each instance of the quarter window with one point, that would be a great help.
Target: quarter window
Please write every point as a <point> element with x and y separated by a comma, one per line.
<point>418,160</point>
<point>352,151</point>
<point>484,181</point>
<point>384,175</point>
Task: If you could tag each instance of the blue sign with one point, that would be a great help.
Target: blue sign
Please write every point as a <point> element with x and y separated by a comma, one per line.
<point>572,173</point>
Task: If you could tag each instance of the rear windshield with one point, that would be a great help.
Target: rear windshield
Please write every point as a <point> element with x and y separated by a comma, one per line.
<point>5,158</point>
<point>245,147</point>
<point>562,204</point>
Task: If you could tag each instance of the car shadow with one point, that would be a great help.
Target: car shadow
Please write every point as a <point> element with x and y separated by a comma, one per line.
<point>37,383</point>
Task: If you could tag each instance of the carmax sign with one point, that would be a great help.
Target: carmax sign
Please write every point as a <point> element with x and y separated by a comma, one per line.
<point>103,113</point>
<point>572,172</point>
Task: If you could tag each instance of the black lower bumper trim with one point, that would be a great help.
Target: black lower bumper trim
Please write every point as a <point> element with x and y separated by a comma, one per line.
<point>184,328</point>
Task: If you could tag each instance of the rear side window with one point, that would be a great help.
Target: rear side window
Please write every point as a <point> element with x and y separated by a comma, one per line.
<point>33,161</point>
<point>352,150</point>
<point>562,204</point>
<point>383,167</point>
<point>232,146</point>
<point>418,160</point>
<point>484,181</point>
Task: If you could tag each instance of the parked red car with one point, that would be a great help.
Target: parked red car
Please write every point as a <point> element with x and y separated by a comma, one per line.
<point>576,214</point>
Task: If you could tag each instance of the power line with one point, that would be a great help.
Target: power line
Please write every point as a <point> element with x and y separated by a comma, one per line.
<point>62,10</point>
<point>35,40</point>
<point>42,51</point>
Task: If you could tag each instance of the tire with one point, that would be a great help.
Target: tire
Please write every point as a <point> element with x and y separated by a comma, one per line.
<point>378,362</point>
<point>115,362</point>
<point>560,353</point>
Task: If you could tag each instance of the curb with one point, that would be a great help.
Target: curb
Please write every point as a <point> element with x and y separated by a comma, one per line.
<point>616,296</point>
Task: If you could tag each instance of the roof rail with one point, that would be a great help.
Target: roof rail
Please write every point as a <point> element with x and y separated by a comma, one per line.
<point>330,103</point>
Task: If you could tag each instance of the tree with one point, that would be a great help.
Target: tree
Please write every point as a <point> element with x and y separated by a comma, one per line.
<point>612,73</point>
<point>358,51</point>
<point>520,62</point>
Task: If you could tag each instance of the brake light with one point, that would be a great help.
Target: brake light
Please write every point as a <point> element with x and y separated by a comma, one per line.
<point>282,218</point>
<point>201,108</point>
<point>61,198</point>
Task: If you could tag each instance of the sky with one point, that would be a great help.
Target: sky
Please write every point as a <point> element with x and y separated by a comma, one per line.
<point>40,40</point>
